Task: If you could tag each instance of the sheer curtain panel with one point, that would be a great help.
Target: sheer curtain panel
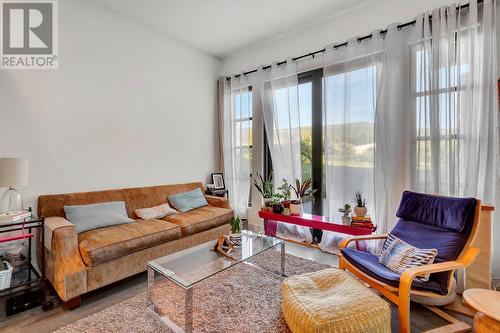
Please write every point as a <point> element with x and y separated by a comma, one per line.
<point>280,110</point>
<point>351,79</point>
<point>236,140</point>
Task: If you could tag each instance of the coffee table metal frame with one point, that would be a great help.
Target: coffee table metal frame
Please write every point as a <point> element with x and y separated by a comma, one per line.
<point>153,268</point>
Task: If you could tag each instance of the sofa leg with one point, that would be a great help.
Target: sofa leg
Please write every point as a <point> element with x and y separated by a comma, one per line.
<point>73,303</point>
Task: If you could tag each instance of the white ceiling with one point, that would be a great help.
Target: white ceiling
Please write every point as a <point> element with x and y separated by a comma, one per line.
<point>222,27</point>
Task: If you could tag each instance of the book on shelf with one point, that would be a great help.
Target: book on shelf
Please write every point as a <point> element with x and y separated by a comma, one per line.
<point>365,218</point>
<point>362,225</point>
<point>14,216</point>
<point>362,222</point>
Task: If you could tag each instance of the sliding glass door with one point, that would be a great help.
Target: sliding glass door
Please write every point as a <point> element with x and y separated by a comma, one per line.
<point>337,140</point>
<point>311,137</point>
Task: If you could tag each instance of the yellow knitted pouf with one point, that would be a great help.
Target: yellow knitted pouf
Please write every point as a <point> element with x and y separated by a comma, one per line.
<point>331,300</point>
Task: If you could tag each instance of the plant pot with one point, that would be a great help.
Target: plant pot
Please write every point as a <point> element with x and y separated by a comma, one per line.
<point>278,209</point>
<point>286,203</point>
<point>267,202</point>
<point>295,208</point>
<point>235,238</point>
<point>346,220</point>
<point>360,211</point>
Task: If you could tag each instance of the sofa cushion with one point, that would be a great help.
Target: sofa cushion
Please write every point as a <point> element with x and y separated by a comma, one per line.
<point>456,214</point>
<point>156,212</point>
<point>368,263</point>
<point>100,245</point>
<point>200,219</point>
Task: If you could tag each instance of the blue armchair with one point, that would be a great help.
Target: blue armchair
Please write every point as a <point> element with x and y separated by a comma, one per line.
<point>425,221</point>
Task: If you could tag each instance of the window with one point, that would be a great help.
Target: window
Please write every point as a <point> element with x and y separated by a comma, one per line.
<point>311,135</point>
<point>243,131</point>
<point>349,130</point>
<point>436,123</point>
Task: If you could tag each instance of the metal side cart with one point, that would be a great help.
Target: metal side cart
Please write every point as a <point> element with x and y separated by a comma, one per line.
<point>24,287</point>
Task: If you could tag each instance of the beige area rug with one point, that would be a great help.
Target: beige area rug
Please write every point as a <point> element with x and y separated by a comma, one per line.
<point>241,299</point>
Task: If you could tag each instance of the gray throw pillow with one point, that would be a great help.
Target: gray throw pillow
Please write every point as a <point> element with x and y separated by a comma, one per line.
<point>187,201</point>
<point>88,217</point>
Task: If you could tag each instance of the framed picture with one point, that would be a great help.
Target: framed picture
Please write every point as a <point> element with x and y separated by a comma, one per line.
<point>218,181</point>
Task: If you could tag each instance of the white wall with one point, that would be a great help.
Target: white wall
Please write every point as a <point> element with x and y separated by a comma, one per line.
<point>128,106</point>
<point>375,15</point>
<point>359,22</point>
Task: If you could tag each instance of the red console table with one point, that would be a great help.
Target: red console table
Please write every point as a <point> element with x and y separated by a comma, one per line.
<point>308,220</point>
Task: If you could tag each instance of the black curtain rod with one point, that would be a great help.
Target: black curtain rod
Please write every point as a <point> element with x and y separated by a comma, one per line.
<point>360,39</point>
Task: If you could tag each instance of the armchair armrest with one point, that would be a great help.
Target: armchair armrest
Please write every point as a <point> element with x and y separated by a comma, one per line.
<point>217,201</point>
<point>410,274</point>
<point>64,265</point>
<point>346,242</point>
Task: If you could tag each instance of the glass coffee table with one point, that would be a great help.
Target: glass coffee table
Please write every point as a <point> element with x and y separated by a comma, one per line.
<point>181,271</point>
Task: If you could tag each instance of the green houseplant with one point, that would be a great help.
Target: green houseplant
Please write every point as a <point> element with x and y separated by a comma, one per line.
<point>235,224</point>
<point>360,209</point>
<point>303,190</point>
<point>286,192</point>
<point>265,186</point>
<point>277,203</point>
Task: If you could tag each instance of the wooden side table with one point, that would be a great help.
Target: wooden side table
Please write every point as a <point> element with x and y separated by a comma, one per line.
<point>487,304</point>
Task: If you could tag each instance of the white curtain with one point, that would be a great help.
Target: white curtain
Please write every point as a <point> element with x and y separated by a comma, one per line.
<point>350,86</point>
<point>236,140</point>
<point>440,134</point>
<point>280,108</point>
<point>455,100</point>
<point>351,80</point>
<point>393,132</point>
<point>431,90</point>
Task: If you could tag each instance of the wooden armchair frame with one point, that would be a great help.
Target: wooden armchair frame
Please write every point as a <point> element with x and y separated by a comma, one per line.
<point>401,295</point>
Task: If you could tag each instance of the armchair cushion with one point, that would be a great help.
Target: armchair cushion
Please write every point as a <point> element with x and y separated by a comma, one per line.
<point>369,264</point>
<point>448,244</point>
<point>456,214</point>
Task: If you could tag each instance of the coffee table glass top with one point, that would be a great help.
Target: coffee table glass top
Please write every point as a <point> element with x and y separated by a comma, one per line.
<point>197,263</point>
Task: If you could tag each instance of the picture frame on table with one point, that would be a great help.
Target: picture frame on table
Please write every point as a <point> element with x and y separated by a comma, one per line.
<point>218,181</point>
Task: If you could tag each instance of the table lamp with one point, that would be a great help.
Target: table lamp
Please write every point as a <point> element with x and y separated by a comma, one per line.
<point>13,173</point>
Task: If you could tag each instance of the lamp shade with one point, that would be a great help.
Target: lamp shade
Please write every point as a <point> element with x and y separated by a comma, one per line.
<point>13,172</point>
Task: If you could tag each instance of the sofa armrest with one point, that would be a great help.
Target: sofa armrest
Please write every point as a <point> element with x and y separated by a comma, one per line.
<point>64,265</point>
<point>218,201</point>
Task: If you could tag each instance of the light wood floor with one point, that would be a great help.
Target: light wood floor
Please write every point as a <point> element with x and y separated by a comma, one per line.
<point>37,321</point>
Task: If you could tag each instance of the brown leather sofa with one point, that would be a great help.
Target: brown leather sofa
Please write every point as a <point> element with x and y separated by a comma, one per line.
<point>79,263</point>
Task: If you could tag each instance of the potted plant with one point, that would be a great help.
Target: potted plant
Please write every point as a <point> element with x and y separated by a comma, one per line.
<point>286,192</point>
<point>302,191</point>
<point>360,209</point>
<point>346,220</point>
<point>235,235</point>
<point>277,203</point>
<point>266,188</point>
